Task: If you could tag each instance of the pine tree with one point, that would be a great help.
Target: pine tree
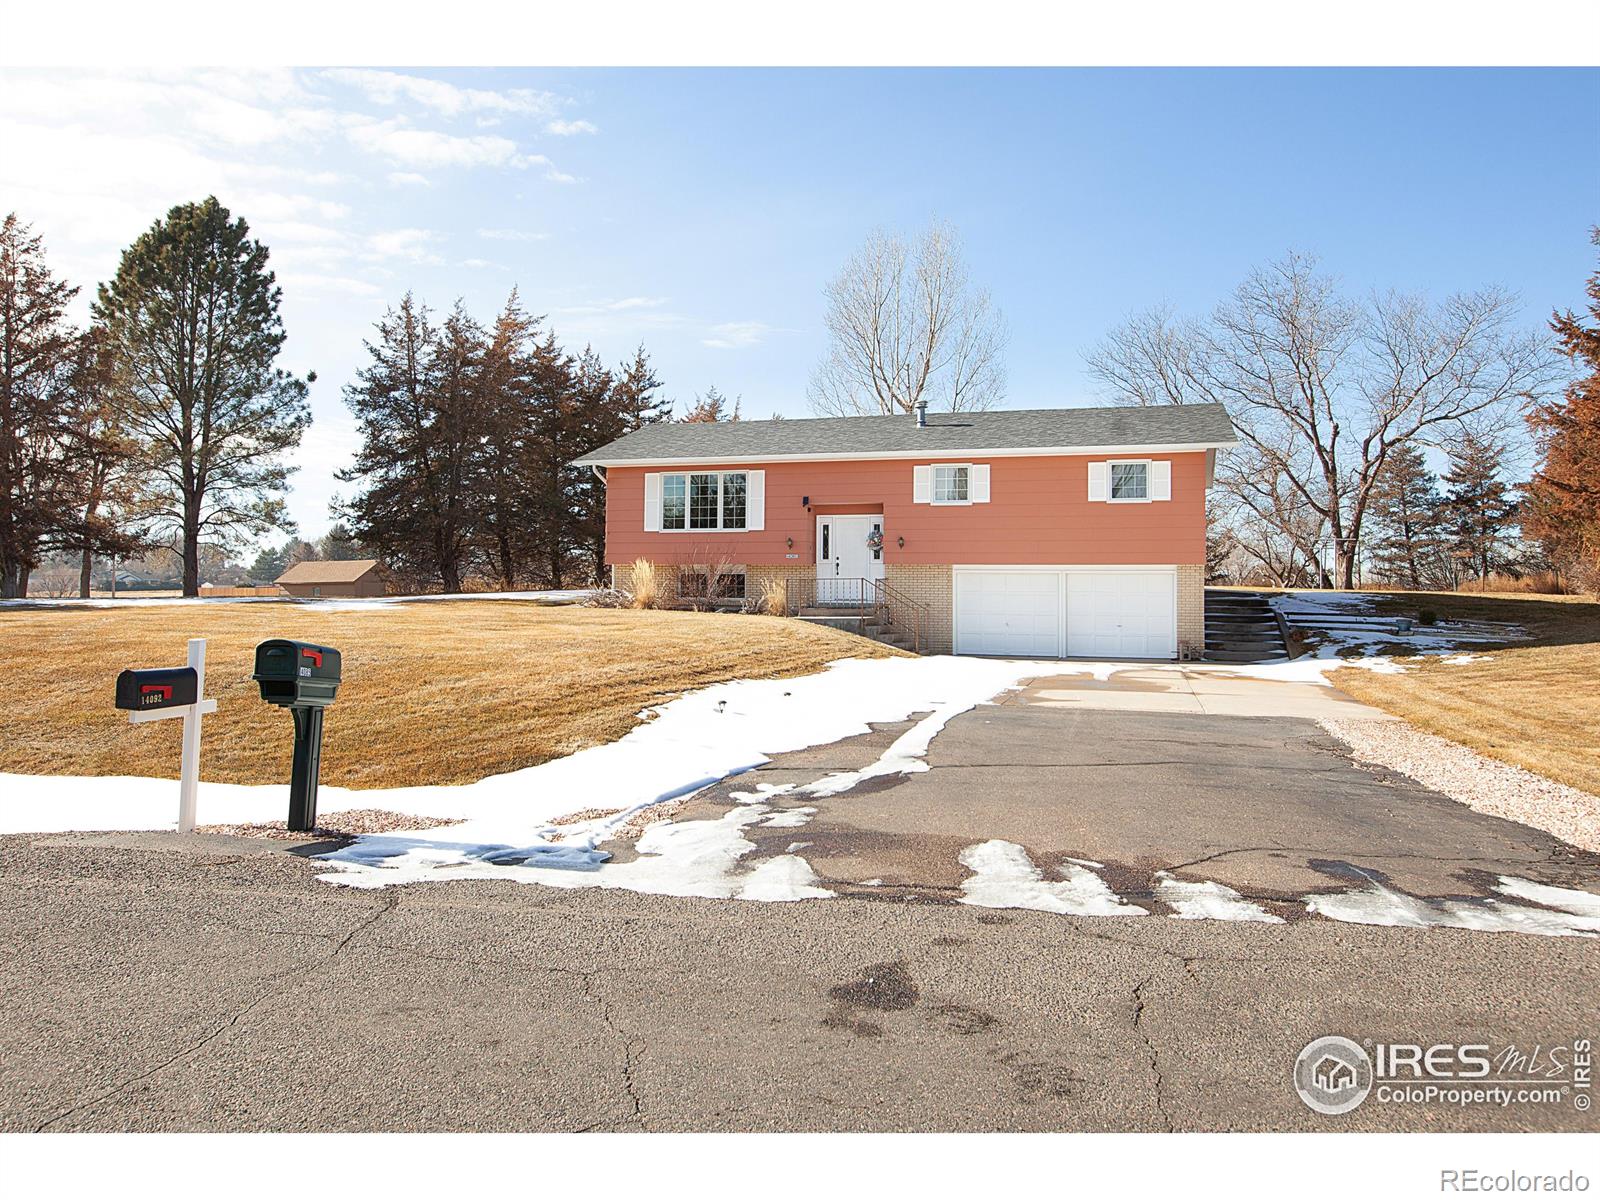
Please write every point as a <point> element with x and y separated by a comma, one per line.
<point>1407,521</point>
<point>419,407</point>
<point>37,347</point>
<point>108,513</point>
<point>192,317</point>
<point>1562,509</point>
<point>1482,511</point>
<point>631,402</point>
<point>712,406</point>
<point>340,545</point>
<point>520,374</point>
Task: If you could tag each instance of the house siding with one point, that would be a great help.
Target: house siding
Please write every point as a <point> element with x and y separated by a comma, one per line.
<point>1038,512</point>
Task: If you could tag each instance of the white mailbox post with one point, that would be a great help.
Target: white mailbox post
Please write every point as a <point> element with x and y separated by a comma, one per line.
<point>189,775</point>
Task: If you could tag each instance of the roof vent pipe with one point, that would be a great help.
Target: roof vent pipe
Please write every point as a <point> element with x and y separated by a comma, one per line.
<point>922,414</point>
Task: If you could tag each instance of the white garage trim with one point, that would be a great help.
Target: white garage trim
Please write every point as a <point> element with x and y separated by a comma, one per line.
<point>1013,611</point>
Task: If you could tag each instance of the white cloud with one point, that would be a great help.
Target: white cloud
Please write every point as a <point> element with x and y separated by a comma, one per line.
<point>392,87</point>
<point>407,179</point>
<point>428,148</point>
<point>570,128</point>
<point>512,235</point>
<point>736,335</point>
<point>410,245</point>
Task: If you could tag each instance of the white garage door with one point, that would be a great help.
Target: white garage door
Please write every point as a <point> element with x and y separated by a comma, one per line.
<point>1079,613</point>
<point>1013,613</point>
<point>1121,614</point>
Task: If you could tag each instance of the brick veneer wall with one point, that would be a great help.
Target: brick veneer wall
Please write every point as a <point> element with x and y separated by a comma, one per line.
<point>756,579</point>
<point>1191,610</point>
<point>934,587</point>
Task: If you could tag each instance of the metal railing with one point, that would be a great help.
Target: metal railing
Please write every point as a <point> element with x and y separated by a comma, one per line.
<point>865,598</point>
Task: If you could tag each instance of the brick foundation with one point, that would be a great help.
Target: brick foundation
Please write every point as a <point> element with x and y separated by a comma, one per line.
<point>1191,610</point>
<point>934,587</point>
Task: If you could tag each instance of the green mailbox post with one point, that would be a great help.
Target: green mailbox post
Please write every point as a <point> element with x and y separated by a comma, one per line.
<point>303,678</point>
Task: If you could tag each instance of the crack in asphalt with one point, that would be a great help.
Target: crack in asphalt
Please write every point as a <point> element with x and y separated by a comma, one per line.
<point>278,982</point>
<point>1150,1049</point>
<point>629,1044</point>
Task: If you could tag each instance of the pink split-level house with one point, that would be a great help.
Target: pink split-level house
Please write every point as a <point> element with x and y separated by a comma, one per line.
<point>1072,532</point>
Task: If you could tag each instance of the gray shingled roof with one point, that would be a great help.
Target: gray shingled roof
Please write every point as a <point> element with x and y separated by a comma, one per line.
<point>946,433</point>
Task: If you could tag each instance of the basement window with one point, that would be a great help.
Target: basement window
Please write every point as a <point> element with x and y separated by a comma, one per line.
<point>729,585</point>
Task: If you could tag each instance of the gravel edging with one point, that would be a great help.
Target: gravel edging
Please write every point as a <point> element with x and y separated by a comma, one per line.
<point>1483,784</point>
<point>352,822</point>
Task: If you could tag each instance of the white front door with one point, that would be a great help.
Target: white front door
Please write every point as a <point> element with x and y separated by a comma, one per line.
<point>847,561</point>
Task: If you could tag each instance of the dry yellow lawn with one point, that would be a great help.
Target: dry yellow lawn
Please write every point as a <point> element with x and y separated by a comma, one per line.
<point>1535,704</point>
<point>436,692</point>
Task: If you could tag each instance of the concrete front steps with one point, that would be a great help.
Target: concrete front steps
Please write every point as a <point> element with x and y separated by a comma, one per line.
<point>871,626</point>
<point>1241,627</point>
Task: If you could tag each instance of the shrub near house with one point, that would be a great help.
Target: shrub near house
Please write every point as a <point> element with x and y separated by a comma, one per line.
<point>1042,533</point>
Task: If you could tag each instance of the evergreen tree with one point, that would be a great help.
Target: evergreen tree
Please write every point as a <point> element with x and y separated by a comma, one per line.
<point>713,406</point>
<point>418,404</point>
<point>1407,521</point>
<point>107,513</point>
<point>1562,509</point>
<point>632,402</point>
<point>1481,510</point>
<point>192,317</point>
<point>37,347</point>
<point>340,545</point>
<point>270,563</point>
<point>521,374</point>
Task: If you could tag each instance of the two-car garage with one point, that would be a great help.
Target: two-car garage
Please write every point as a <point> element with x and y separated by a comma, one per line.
<point>1066,611</point>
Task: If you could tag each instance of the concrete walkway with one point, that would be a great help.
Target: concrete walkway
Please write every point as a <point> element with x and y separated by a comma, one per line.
<point>1203,690</point>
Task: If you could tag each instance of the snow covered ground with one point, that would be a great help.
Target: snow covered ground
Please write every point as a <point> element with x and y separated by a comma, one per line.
<point>507,824</point>
<point>1347,621</point>
<point>366,604</point>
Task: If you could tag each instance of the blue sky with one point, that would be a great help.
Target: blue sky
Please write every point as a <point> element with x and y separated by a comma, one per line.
<point>702,212</point>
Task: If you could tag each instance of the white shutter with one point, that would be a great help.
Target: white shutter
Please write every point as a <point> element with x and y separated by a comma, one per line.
<point>755,500</point>
<point>1161,481</point>
<point>922,485</point>
<point>979,491</point>
<point>652,502</point>
<point>1099,481</point>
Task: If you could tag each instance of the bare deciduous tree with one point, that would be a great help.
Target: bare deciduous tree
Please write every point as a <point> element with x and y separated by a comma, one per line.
<point>1323,389</point>
<point>908,326</point>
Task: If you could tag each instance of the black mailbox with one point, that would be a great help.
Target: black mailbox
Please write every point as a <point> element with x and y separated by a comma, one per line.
<point>297,674</point>
<point>162,687</point>
<point>304,679</point>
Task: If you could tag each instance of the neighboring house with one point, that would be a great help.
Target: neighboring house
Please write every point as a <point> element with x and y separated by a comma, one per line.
<point>334,577</point>
<point>1076,532</point>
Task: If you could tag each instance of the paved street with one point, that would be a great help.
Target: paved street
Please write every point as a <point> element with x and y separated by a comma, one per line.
<point>159,983</point>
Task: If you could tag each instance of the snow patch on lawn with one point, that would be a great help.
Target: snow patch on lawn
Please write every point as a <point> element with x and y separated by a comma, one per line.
<point>1204,900</point>
<point>1003,876</point>
<point>689,743</point>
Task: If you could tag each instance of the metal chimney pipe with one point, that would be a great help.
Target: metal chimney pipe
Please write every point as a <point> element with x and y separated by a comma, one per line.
<point>922,414</point>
